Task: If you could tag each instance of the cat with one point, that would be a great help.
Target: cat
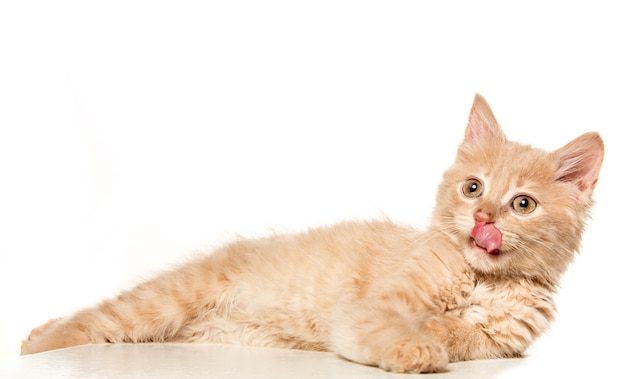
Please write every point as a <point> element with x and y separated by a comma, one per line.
<point>477,283</point>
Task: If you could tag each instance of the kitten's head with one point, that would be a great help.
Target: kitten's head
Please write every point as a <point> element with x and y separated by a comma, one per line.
<point>517,210</point>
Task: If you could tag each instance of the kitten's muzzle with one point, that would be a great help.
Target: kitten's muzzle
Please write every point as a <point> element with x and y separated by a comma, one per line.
<point>487,236</point>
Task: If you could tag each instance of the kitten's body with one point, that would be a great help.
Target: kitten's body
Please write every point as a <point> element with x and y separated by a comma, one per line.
<point>478,283</point>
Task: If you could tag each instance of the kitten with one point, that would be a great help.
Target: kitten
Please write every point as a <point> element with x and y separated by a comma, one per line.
<point>478,283</point>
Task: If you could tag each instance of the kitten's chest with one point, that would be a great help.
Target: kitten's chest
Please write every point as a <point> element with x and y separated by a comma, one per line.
<point>479,301</point>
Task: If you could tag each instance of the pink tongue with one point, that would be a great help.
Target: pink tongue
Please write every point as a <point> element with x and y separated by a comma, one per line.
<point>487,236</point>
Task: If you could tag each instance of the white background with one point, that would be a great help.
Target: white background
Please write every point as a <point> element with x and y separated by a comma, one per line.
<point>133,134</point>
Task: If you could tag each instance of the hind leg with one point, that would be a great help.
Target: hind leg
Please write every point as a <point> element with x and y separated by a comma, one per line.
<point>37,338</point>
<point>154,311</point>
<point>56,334</point>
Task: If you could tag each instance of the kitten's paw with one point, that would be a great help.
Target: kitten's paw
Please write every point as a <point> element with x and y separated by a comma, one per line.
<point>456,295</point>
<point>35,336</point>
<point>415,357</point>
<point>55,334</point>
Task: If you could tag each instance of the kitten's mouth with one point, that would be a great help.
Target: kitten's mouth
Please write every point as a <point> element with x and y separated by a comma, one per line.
<point>493,253</point>
<point>487,237</point>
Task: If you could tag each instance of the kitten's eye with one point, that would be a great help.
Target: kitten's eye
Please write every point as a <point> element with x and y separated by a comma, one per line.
<point>524,204</point>
<point>472,188</point>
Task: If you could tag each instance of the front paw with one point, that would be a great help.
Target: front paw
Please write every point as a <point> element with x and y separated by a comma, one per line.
<point>415,357</point>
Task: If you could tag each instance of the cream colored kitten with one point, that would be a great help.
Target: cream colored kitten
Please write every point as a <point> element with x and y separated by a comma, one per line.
<point>478,283</point>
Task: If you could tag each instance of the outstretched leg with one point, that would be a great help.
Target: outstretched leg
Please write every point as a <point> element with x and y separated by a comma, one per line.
<point>154,311</point>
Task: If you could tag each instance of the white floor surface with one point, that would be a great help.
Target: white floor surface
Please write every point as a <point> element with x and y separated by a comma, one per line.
<point>233,362</point>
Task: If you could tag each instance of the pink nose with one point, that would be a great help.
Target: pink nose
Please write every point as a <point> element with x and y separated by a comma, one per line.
<point>481,216</point>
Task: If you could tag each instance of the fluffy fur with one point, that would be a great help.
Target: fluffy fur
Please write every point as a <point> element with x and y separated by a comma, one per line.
<point>377,292</point>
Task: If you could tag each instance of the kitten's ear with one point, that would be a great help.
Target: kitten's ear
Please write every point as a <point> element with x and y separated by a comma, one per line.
<point>482,127</point>
<point>579,161</point>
